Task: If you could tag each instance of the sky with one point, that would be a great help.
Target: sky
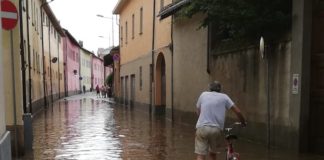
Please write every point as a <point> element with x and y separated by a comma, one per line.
<point>80,18</point>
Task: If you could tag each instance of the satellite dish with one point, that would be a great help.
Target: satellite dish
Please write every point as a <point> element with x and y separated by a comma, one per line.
<point>54,60</point>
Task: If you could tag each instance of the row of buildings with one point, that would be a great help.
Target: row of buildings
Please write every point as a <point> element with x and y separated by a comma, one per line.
<point>166,62</point>
<point>40,63</point>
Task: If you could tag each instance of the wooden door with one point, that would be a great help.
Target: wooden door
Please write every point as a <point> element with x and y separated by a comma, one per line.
<point>316,138</point>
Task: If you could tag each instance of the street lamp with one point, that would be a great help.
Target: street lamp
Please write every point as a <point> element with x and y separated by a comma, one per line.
<point>105,38</point>
<point>112,26</point>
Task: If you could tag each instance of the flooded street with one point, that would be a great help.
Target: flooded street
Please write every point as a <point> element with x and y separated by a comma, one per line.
<point>84,127</point>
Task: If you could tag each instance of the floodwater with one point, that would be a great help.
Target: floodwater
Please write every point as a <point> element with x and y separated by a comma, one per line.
<point>84,127</point>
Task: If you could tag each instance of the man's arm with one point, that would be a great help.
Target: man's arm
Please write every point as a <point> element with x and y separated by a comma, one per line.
<point>239,115</point>
<point>198,111</point>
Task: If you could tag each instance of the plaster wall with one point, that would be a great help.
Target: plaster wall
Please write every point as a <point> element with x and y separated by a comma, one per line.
<point>98,72</point>
<point>85,62</point>
<point>190,63</point>
<point>72,63</point>
<point>11,64</point>
<point>162,27</point>
<point>2,90</point>
<point>61,67</point>
<point>133,47</point>
<point>243,75</point>
<point>35,53</point>
<point>142,94</point>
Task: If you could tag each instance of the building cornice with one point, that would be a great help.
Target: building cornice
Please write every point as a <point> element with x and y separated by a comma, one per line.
<point>53,19</point>
<point>119,6</point>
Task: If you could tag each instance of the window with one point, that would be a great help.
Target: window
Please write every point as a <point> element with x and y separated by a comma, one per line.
<point>140,81</point>
<point>34,64</point>
<point>37,63</point>
<point>141,21</point>
<point>161,4</point>
<point>133,26</point>
<point>36,28</point>
<point>121,36</point>
<point>126,32</point>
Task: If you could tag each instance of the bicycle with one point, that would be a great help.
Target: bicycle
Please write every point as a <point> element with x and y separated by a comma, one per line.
<point>230,137</point>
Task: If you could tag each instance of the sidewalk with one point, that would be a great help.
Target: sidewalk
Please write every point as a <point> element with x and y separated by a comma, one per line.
<point>252,151</point>
<point>91,95</point>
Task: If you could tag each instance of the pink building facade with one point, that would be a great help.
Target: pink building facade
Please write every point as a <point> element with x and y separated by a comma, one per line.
<point>97,75</point>
<point>71,51</point>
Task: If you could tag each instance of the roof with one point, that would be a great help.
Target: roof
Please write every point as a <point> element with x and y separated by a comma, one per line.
<point>119,6</point>
<point>53,19</point>
<point>87,51</point>
<point>73,40</point>
<point>172,8</point>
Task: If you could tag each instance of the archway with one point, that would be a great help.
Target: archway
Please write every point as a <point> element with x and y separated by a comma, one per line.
<point>160,85</point>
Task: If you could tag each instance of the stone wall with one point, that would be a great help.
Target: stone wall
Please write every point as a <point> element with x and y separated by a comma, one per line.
<point>244,76</point>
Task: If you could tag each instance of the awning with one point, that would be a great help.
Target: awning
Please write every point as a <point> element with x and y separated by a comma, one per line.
<point>111,57</point>
<point>172,8</point>
<point>108,60</point>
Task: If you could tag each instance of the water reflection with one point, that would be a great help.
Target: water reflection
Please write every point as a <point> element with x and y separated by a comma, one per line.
<point>87,128</point>
<point>76,129</point>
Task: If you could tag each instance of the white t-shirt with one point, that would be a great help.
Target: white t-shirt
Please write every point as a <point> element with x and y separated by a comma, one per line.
<point>213,107</point>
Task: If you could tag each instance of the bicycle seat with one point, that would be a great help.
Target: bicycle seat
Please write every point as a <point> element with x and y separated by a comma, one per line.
<point>231,137</point>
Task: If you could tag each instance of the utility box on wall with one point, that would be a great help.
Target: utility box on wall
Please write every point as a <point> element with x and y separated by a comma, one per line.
<point>5,147</point>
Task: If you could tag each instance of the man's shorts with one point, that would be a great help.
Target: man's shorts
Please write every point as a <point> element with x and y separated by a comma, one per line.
<point>208,138</point>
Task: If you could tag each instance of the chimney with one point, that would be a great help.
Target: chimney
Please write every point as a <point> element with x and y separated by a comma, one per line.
<point>81,43</point>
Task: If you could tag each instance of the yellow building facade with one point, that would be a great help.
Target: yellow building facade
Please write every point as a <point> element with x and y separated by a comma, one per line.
<point>5,143</point>
<point>145,53</point>
<point>25,70</point>
<point>85,68</point>
<point>53,51</point>
<point>11,62</point>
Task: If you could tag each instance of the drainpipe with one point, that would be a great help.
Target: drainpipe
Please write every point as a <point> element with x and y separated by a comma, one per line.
<point>50,58</point>
<point>152,67</point>
<point>14,92</point>
<point>22,55</point>
<point>29,60</point>
<point>65,67</point>
<point>58,66</point>
<point>172,71</point>
<point>208,47</point>
<point>43,55</point>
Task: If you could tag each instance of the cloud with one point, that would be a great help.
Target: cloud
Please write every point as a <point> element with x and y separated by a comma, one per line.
<point>79,17</point>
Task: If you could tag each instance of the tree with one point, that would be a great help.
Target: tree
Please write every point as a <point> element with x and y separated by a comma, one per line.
<point>243,19</point>
<point>110,80</point>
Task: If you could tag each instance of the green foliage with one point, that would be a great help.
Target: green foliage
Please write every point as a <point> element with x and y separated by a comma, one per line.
<point>243,19</point>
<point>110,80</point>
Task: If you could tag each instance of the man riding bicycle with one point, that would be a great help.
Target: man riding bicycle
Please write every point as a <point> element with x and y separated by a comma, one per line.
<point>211,109</point>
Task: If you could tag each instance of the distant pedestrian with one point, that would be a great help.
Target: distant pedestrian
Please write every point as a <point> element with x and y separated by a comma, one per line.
<point>84,89</point>
<point>109,92</point>
<point>103,91</point>
<point>211,109</point>
<point>98,91</point>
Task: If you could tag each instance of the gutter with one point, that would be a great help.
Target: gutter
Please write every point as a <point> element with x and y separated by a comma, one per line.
<point>29,61</point>
<point>43,54</point>
<point>22,55</point>
<point>152,90</point>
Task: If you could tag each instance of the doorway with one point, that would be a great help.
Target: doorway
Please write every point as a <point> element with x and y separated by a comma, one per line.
<point>316,135</point>
<point>160,94</point>
<point>132,91</point>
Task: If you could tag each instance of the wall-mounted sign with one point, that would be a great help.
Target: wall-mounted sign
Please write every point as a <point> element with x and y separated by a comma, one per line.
<point>295,86</point>
<point>9,15</point>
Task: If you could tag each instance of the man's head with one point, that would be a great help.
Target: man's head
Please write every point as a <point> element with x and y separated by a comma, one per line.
<point>215,86</point>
